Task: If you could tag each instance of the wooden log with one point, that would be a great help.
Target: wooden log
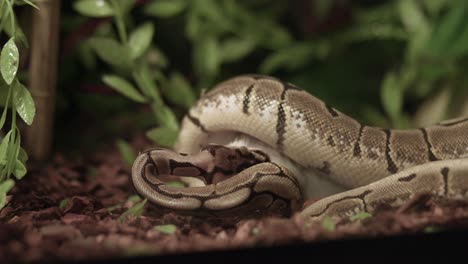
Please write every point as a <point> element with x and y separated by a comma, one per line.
<point>43,72</point>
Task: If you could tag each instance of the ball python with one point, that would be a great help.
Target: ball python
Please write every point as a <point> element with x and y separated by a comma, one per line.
<point>257,143</point>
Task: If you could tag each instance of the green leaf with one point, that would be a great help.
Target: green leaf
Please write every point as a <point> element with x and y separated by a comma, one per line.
<point>13,165</point>
<point>134,198</point>
<point>6,185</point>
<point>5,109</point>
<point>293,57</point>
<point>179,91</point>
<point>360,216</point>
<point>412,16</point>
<point>448,29</point>
<point>22,155</point>
<point>20,170</point>
<point>124,87</point>
<point>93,8</point>
<point>135,211</point>
<point>391,96</point>
<point>235,49</point>
<point>166,8</point>
<point>193,25</point>
<point>4,148</point>
<point>64,203</point>
<point>24,103</point>
<point>207,57</point>
<point>126,151</point>
<point>432,229</point>
<point>140,39</point>
<point>9,60</point>
<point>166,117</point>
<point>13,30</point>
<point>2,199</point>
<point>113,207</point>
<point>163,136</point>
<point>212,14</point>
<point>112,52</point>
<point>328,224</point>
<point>143,78</point>
<point>31,4</point>
<point>166,229</point>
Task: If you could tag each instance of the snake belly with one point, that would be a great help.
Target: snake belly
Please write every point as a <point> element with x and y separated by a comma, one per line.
<point>327,152</point>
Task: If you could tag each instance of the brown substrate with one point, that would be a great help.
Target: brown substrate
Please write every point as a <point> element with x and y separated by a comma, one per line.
<point>69,210</point>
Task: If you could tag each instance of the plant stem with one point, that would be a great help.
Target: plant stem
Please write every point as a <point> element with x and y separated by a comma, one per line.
<point>119,21</point>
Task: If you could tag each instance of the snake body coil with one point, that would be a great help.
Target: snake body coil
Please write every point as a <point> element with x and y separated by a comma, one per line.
<point>298,147</point>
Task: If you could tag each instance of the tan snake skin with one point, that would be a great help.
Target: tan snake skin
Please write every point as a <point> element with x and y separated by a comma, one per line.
<point>255,143</point>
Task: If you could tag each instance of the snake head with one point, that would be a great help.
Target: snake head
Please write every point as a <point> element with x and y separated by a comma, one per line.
<point>221,180</point>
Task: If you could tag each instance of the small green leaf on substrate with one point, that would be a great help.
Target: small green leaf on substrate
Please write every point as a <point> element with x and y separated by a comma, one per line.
<point>93,8</point>
<point>360,216</point>
<point>432,229</point>
<point>124,87</point>
<point>24,103</point>
<point>255,231</point>
<point>135,211</point>
<point>5,187</point>
<point>113,207</point>
<point>140,39</point>
<point>64,203</point>
<point>165,8</point>
<point>134,198</point>
<point>166,229</point>
<point>126,151</point>
<point>9,60</point>
<point>328,224</point>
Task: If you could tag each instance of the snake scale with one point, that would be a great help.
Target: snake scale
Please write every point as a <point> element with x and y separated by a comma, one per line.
<point>256,143</point>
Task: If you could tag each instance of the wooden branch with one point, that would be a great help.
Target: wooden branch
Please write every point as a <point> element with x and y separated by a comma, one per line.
<point>43,72</point>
